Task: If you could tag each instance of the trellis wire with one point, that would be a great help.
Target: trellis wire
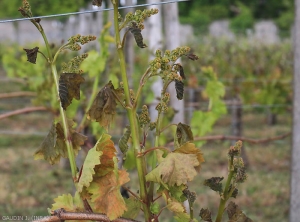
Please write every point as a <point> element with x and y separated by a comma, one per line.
<point>90,11</point>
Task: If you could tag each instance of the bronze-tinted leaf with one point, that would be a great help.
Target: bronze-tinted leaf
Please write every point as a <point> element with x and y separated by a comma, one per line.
<point>32,54</point>
<point>179,86</point>
<point>235,214</point>
<point>104,106</point>
<point>137,33</point>
<point>69,88</point>
<point>192,57</point>
<point>215,184</point>
<point>97,2</point>
<point>183,134</point>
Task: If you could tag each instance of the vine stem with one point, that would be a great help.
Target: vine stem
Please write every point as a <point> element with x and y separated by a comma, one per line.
<point>131,112</point>
<point>225,195</point>
<point>61,110</point>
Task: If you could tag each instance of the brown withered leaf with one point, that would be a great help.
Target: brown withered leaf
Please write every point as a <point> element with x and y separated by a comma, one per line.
<point>181,71</point>
<point>192,56</point>
<point>97,2</point>
<point>205,215</point>
<point>69,88</point>
<point>137,33</point>
<point>32,54</point>
<point>215,184</point>
<point>183,134</point>
<point>54,145</point>
<point>104,106</point>
<point>235,214</point>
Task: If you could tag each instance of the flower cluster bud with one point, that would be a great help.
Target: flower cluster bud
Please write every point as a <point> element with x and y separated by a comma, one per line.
<point>138,17</point>
<point>74,41</point>
<point>132,96</point>
<point>73,66</point>
<point>144,116</point>
<point>236,149</point>
<point>162,107</point>
<point>166,98</point>
<point>25,10</point>
<point>152,125</point>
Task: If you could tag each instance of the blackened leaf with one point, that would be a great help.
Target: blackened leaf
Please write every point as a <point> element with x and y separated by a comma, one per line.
<point>124,140</point>
<point>181,71</point>
<point>192,57</point>
<point>183,134</point>
<point>104,106</point>
<point>32,54</point>
<point>179,86</point>
<point>205,215</point>
<point>214,184</point>
<point>234,192</point>
<point>69,88</point>
<point>97,2</point>
<point>137,33</point>
<point>235,214</point>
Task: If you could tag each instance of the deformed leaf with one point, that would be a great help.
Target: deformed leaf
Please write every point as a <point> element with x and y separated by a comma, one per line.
<point>205,215</point>
<point>190,148</point>
<point>137,33</point>
<point>183,134</point>
<point>175,206</point>
<point>104,106</point>
<point>69,88</point>
<point>124,140</point>
<point>32,54</point>
<point>234,192</point>
<point>106,196</point>
<point>215,184</point>
<point>175,169</point>
<point>68,203</point>
<point>92,159</point>
<point>107,147</point>
<point>235,214</point>
<point>179,86</point>
<point>54,145</point>
<point>97,2</point>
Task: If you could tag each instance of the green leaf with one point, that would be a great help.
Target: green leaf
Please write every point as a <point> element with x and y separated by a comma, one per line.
<point>68,203</point>
<point>92,159</point>
<point>154,208</point>
<point>177,192</point>
<point>175,169</point>
<point>183,217</point>
<point>133,208</point>
<point>69,88</point>
<point>235,214</point>
<point>104,106</point>
<point>183,134</point>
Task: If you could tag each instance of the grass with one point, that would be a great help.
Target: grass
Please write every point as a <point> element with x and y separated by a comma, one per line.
<point>28,187</point>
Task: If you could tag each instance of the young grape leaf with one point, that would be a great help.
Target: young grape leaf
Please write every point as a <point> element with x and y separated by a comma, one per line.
<point>137,33</point>
<point>215,184</point>
<point>107,147</point>
<point>177,192</point>
<point>205,215</point>
<point>175,169</point>
<point>190,148</point>
<point>106,196</point>
<point>92,159</point>
<point>183,134</point>
<point>104,106</point>
<point>154,207</point>
<point>235,214</point>
<point>124,140</point>
<point>68,203</point>
<point>32,54</point>
<point>69,88</point>
<point>133,208</point>
<point>179,86</point>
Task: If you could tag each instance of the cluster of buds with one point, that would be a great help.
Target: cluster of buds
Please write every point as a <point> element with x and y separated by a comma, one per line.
<point>132,96</point>
<point>152,125</point>
<point>161,107</point>
<point>239,168</point>
<point>74,41</point>
<point>236,149</point>
<point>25,10</point>
<point>144,117</point>
<point>138,17</point>
<point>73,66</point>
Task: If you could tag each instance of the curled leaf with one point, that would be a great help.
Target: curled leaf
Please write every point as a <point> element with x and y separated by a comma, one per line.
<point>192,56</point>
<point>183,134</point>
<point>137,33</point>
<point>181,71</point>
<point>69,88</point>
<point>97,2</point>
<point>32,54</point>
<point>235,214</point>
<point>205,215</point>
<point>124,140</point>
<point>215,184</point>
<point>179,86</point>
